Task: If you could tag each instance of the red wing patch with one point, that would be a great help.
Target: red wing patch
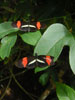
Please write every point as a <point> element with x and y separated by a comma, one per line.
<point>24,61</point>
<point>38,25</point>
<point>48,60</point>
<point>18,24</point>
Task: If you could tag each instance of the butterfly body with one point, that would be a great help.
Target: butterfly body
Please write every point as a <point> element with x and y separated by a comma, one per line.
<point>35,61</point>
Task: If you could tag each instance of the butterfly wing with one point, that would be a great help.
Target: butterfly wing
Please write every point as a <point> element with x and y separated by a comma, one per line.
<point>45,61</point>
<point>26,62</point>
<point>35,61</point>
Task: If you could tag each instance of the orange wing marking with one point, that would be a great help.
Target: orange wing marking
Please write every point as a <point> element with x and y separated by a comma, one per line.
<point>18,24</point>
<point>24,61</point>
<point>48,60</point>
<point>38,25</point>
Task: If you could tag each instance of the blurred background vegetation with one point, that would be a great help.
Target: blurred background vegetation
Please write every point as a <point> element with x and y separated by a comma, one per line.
<point>48,12</point>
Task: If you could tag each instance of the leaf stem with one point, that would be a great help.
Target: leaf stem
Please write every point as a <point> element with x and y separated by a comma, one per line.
<point>6,88</point>
<point>14,75</point>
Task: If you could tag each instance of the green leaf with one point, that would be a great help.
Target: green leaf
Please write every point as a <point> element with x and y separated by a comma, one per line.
<point>38,69</point>
<point>6,28</point>
<point>65,92</point>
<point>57,48</point>
<point>44,78</point>
<point>6,44</point>
<point>31,37</point>
<point>52,41</point>
<point>52,35</point>
<point>72,57</point>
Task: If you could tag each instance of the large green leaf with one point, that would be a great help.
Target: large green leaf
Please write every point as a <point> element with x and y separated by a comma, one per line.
<point>31,37</point>
<point>6,44</point>
<point>65,92</point>
<point>52,41</point>
<point>52,35</point>
<point>72,57</point>
<point>6,28</point>
<point>57,48</point>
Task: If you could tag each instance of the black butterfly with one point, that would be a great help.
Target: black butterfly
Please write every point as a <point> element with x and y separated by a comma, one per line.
<point>35,61</point>
<point>28,26</point>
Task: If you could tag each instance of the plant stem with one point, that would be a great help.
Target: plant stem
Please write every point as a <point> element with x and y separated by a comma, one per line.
<point>6,88</point>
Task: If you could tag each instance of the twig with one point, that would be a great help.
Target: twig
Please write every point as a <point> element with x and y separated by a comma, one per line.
<point>6,88</point>
<point>45,93</point>
<point>14,75</point>
<point>48,90</point>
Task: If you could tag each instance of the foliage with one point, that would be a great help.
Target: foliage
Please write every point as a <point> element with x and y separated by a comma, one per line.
<point>50,43</point>
<point>64,92</point>
<point>60,32</point>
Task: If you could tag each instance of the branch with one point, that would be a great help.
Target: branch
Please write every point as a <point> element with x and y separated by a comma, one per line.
<point>6,88</point>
